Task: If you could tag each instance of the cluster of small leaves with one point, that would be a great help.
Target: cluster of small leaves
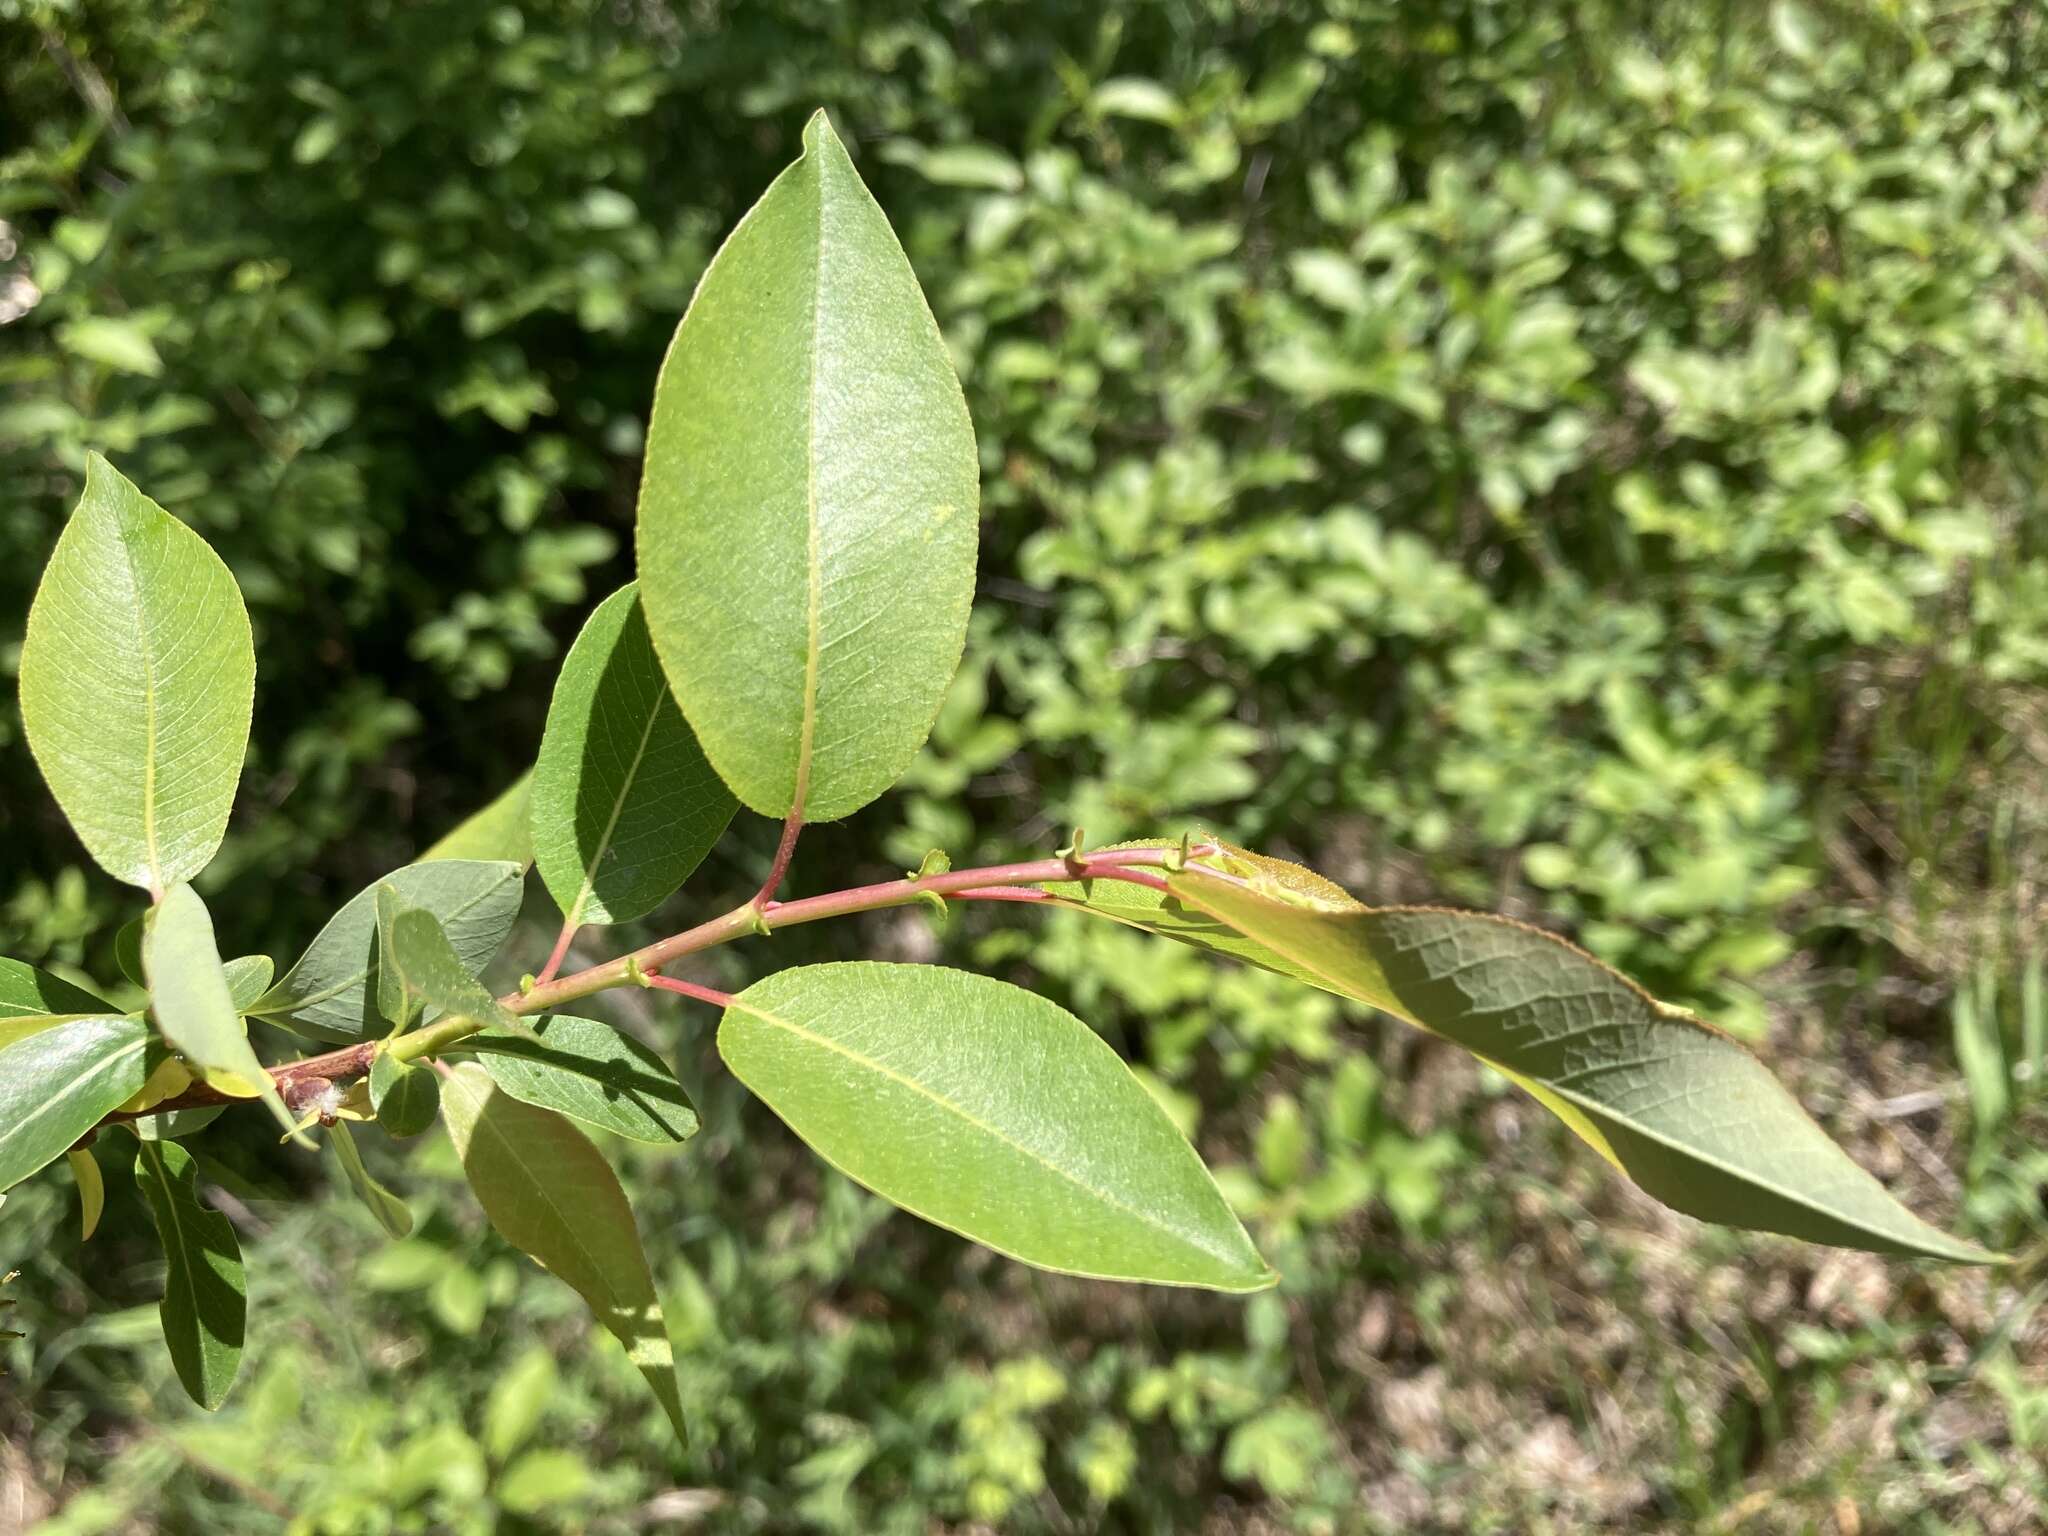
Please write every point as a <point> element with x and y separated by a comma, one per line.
<point>806,546</point>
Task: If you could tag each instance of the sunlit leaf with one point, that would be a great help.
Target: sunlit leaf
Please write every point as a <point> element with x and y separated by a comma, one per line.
<point>59,1083</point>
<point>593,1072</point>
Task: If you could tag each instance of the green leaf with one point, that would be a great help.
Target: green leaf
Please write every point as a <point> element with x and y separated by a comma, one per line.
<point>59,1083</point>
<point>808,510</point>
<point>137,677</point>
<point>330,993</point>
<point>593,1072</point>
<point>177,1124</point>
<point>407,1099</point>
<point>519,1401</point>
<point>1683,1109</point>
<point>92,1191</point>
<point>550,1195</point>
<point>497,832</point>
<point>390,1211</point>
<point>417,957</point>
<point>26,992</point>
<point>248,977</point>
<point>542,1478</point>
<point>624,805</point>
<point>192,1004</point>
<point>121,345</point>
<point>205,1305</point>
<point>992,1112</point>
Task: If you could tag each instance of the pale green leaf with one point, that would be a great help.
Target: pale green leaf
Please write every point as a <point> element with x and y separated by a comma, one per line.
<point>497,832</point>
<point>330,994</point>
<point>1683,1109</point>
<point>406,1099</point>
<point>417,957</point>
<point>138,673</point>
<point>808,509</point>
<point>92,1191</point>
<point>205,1305</point>
<point>518,1402</point>
<point>550,1195</point>
<point>59,1083</point>
<point>624,805</point>
<point>594,1073</point>
<point>390,1211</point>
<point>991,1112</point>
<point>119,344</point>
<point>191,1001</point>
<point>248,978</point>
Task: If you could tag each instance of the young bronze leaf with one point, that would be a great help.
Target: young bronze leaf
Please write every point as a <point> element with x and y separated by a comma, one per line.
<point>624,805</point>
<point>57,1084</point>
<point>497,832</point>
<point>138,673</point>
<point>550,1195</point>
<point>1683,1109</point>
<point>593,1072</point>
<point>330,994</point>
<point>192,1003</point>
<point>991,1112</point>
<point>808,509</point>
<point>205,1305</point>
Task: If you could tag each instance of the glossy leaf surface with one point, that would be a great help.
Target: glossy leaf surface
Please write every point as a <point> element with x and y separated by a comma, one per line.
<point>58,1083</point>
<point>989,1111</point>
<point>808,510</point>
<point>205,1306</point>
<point>138,674</point>
<point>27,992</point>
<point>594,1073</point>
<point>550,1195</point>
<point>624,806</point>
<point>330,994</point>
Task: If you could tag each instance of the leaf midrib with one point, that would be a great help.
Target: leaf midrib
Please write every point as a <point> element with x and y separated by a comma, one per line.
<point>1597,1109</point>
<point>604,842</point>
<point>1180,1239</point>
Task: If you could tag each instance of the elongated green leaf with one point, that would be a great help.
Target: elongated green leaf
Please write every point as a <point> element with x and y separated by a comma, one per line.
<point>248,977</point>
<point>193,1005</point>
<point>406,1099</point>
<point>550,1195</point>
<point>92,1191</point>
<point>26,992</point>
<point>808,510</point>
<point>427,971</point>
<point>497,832</point>
<point>176,1124</point>
<point>993,1113</point>
<point>138,673</point>
<point>60,1082</point>
<point>624,805</point>
<point>1683,1109</point>
<point>330,993</point>
<point>205,1305</point>
<point>390,1211</point>
<point>593,1072</point>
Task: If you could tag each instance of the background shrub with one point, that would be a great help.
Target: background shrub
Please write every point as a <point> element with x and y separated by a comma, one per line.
<point>1544,457</point>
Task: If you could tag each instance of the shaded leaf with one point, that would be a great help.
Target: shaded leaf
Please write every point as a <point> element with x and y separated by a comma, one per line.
<point>205,1305</point>
<point>594,1073</point>
<point>390,1211</point>
<point>27,992</point>
<point>407,1099</point>
<point>624,805</point>
<point>550,1195</point>
<point>421,963</point>
<point>329,994</point>
<point>138,673</point>
<point>808,511</point>
<point>991,1112</point>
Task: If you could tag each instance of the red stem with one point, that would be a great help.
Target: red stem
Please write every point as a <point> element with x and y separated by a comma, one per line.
<point>791,826</point>
<point>691,989</point>
<point>561,952</point>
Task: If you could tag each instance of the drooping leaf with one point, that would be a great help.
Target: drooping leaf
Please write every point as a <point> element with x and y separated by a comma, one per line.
<point>26,992</point>
<point>59,1083</point>
<point>138,673</point>
<point>1686,1111</point>
<point>190,999</point>
<point>497,832</point>
<point>205,1305</point>
<point>624,805</point>
<point>92,1191</point>
<point>330,993</point>
<point>808,509</point>
<point>407,1098</point>
<point>429,975</point>
<point>594,1073</point>
<point>550,1195</point>
<point>991,1112</point>
<point>390,1211</point>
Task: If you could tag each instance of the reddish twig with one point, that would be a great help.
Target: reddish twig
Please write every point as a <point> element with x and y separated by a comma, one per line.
<point>791,826</point>
<point>710,995</point>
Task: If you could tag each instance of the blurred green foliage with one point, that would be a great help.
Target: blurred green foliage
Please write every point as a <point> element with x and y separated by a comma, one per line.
<point>1570,458</point>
